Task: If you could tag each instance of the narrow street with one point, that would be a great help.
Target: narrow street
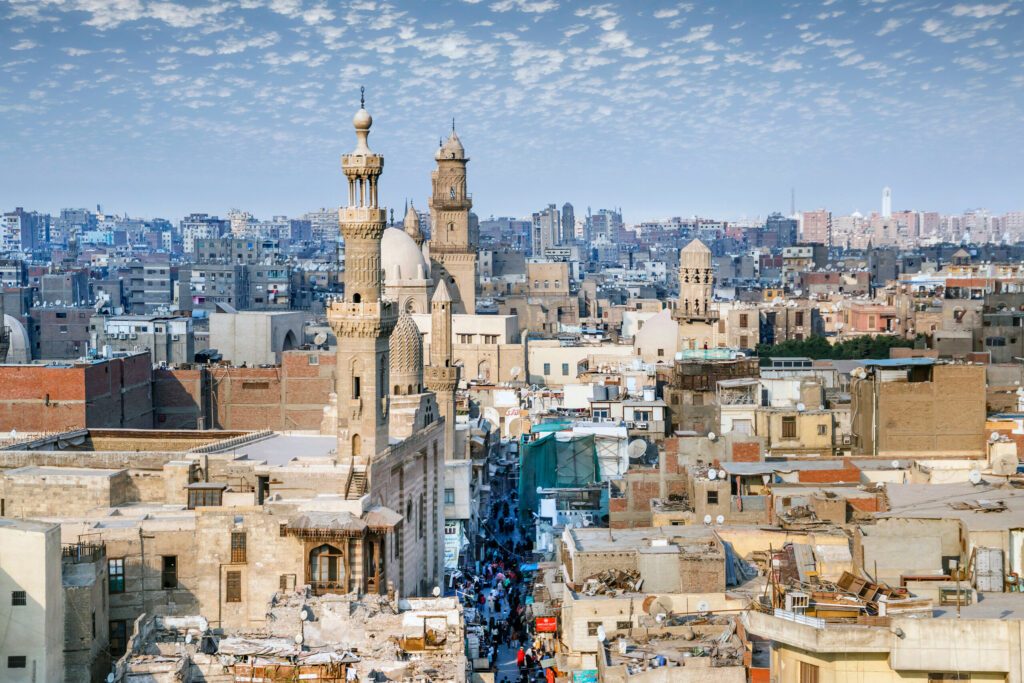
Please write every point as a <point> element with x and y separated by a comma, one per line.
<point>499,591</point>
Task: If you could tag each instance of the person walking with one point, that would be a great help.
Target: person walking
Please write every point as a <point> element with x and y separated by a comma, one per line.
<point>520,658</point>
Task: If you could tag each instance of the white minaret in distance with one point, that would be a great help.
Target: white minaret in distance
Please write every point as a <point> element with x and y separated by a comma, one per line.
<point>886,202</point>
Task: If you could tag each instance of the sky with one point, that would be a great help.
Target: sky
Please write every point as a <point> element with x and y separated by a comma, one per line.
<point>719,109</point>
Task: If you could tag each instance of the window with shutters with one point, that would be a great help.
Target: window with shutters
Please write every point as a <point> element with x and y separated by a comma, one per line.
<point>789,427</point>
<point>238,547</point>
<point>19,598</point>
<point>592,627</point>
<point>233,589</point>
<point>808,673</point>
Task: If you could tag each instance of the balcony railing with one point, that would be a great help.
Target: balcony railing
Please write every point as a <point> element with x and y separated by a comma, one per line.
<point>83,553</point>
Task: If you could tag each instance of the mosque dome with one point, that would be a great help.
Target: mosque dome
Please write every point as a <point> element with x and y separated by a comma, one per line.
<point>406,357</point>
<point>20,351</point>
<point>400,258</point>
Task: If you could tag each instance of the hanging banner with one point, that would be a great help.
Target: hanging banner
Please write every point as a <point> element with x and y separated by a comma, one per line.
<point>452,544</point>
<point>547,624</point>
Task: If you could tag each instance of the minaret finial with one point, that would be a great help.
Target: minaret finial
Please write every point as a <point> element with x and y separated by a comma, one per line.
<point>362,97</point>
<point>453,124</point>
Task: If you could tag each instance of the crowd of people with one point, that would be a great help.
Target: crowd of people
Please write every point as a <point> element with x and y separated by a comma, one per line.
<point>498,591</point>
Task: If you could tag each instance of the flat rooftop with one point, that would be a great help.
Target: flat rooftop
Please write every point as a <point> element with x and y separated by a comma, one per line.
<point>42,471</point>
<point>964,501</point>
<point>640,538</point>
<point>988,606</point>
<point>281,449</point>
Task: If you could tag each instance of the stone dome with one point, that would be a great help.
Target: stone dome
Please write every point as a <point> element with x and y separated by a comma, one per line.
<point>452,149</point>
<point>406,363</point>
<point>20,351</point>
<point>362,120</point>
<point>400,258</point>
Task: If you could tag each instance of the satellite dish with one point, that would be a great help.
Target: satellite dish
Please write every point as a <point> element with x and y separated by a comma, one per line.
<point>659,618</point>
<point>515,372</point>
<point>720,520</point>
<point>711,436</point>
<point>974,477</point>
<point>637,448</point>
<point>703,606</point>
<point>306,614</point>
<point>602,635</point>
<point>298,639</point>
<point>110,678</point>
<point>712,474</point>
<point>188,638</point>
<point>800,407</point>
<point>437,591</point>
<point>993,437</point>
<point>707,519</point>
<point>320,339</point>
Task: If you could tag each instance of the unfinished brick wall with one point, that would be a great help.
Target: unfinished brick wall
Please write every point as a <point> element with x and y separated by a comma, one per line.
<point>115,392</point>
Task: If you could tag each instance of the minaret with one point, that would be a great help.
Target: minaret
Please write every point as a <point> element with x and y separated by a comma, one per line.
<point>442,377</point>
<point>362,320</point>
<point>694,311</point>
<point>411,224</point>
<point>696,283</point>
<point>452,244</point>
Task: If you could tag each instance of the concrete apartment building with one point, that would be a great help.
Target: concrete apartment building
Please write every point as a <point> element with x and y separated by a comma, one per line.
<point>169,340</point>
<point>32,608</point>
<point>256,337</point>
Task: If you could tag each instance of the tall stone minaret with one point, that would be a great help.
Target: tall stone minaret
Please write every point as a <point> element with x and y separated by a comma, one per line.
<point>362,320</point>
<point>442,377</point>
<point>452,242</point>
<point>694,311</point>
<point>696,282</point>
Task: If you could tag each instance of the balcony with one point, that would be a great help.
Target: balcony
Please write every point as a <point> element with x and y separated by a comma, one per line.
<point>83,553</point>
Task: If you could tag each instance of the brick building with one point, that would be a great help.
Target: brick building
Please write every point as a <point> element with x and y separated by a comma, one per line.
<point>105,392</point>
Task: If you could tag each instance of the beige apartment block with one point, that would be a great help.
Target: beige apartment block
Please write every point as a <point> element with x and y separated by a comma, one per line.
<point>31,602</point>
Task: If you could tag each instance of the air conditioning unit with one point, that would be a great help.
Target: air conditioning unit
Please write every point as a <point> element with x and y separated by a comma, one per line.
<point>847,439</point>
<point>134,336</point>
<point>641,425</point>
<point>176,337</point>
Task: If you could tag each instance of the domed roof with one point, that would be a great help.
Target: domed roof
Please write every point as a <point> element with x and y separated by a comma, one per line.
<point>400,258</point>
<point>362,120</point>
<point>452,149</point>
<point>20,351</point>
<point>406,347</point>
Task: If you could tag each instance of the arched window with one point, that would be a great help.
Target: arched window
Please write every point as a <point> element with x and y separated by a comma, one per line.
<point>356,298</point>
<point>357,445</point>
<point>326,567</point>
<point>397,390</point>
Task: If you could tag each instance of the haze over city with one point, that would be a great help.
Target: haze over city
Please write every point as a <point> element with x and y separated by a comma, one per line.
<point>693,108</point>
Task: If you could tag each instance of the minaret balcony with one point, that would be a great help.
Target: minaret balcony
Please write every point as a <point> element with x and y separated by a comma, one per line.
<point>372,164</point>
<point>363,214</point>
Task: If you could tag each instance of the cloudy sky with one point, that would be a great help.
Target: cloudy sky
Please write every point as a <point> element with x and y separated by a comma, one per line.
<point>154,107</point>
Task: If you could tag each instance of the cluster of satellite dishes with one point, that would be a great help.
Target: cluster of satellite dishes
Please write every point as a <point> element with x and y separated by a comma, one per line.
<point>719,520</point>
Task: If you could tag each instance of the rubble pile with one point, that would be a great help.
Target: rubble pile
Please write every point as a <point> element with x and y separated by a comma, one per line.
<point>613,582</point>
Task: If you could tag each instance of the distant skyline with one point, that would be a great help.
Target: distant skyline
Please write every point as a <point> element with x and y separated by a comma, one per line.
<point>160,108</point>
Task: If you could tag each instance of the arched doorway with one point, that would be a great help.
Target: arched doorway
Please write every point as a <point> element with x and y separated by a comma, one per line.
<point>327,568</point>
